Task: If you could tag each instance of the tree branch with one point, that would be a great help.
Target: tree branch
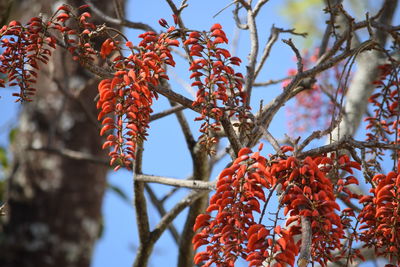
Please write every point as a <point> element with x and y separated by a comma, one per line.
<point>258,6</point>
<point>267,114</point>
<point>193,184</point>
<point>306,242</point>
<point>142,217</point>
<point>346,143</point>
<point>167,112</point>
<point>119,22</point>
<point>170,216</point>
<point>161,210</point>
<point>146,247</point>
<point>252,58</point>
<point>271,41</point>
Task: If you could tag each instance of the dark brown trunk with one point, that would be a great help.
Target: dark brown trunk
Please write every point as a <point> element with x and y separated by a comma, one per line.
<point>54,202</point>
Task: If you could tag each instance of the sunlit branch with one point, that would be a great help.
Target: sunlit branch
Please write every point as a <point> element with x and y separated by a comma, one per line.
<point>193,184</point>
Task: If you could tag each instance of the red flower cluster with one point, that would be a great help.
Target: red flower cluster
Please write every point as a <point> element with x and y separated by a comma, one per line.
<point>219,86</point>
<point>384,124</point>
<point>305,193</point>
<point>23,47</point>
<point>239,190</point>
<point>78,35</point>
<point>310,194</point>
<point>127,98</point>
<point>380,216</point>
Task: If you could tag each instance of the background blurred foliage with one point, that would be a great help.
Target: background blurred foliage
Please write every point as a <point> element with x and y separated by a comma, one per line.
<point>305,15</point>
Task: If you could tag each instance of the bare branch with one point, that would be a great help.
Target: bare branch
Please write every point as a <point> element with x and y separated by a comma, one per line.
<point>171,95</point>
<point>271,139</point>
<point>271,40</point>
<point>142,217</point>
<point>297,53</point>
<point>252,58</point>
<point>239,24</point>
<point>161,210</point>
<point>119,22</point>
<point>201,173</point>
<point>346,143</point>
<point>306,242</point>
<point>361,86</point>
<point>173,7</point>
<point>193,184</point>
<point>170,216</point>
<point>167,112</point>
<point>224,8</point>
<point>119,9</point>
<point>190,141</point>
<point>265,117</point>
<point>258,6</point>
<point>271,82</point>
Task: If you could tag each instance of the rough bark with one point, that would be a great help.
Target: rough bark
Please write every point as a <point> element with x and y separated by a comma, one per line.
<point>54,202</point>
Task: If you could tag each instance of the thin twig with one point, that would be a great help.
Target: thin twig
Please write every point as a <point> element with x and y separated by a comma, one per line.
<point>300,65</point>
<point>166,112</point>
<point>267,49</point>
<point>224,8</point>
<point>271,41</point>
<point>271,82</point>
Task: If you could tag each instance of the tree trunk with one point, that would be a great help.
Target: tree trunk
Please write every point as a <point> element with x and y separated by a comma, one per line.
<point>54,201</point>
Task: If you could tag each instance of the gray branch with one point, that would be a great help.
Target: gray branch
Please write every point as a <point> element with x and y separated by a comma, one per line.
<point>193,184</point>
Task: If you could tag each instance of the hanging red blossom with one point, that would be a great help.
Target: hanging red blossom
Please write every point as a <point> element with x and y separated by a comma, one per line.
<point>125,100</point>
<point>305,193</point>
<point>219,86</point>
<point>380,216</point>
<point>23,48</point>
